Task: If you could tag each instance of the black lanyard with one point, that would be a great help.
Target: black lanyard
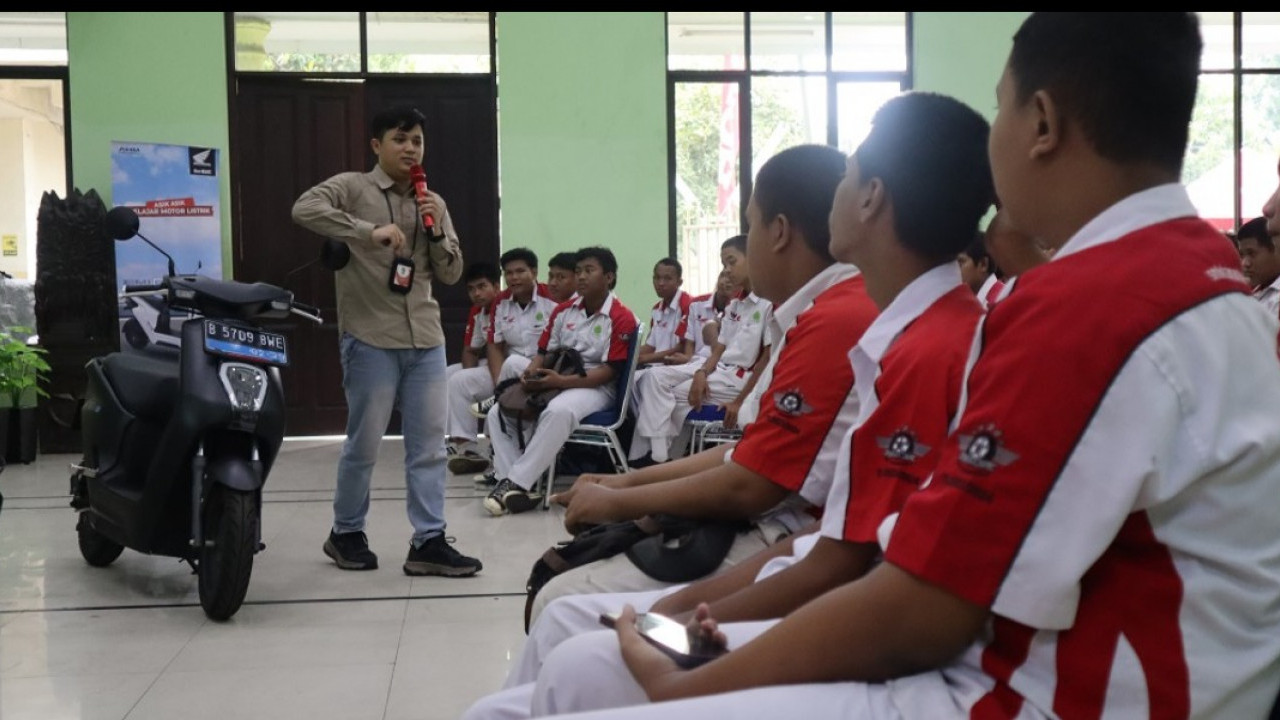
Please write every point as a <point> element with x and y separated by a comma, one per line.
<point>413,247</point>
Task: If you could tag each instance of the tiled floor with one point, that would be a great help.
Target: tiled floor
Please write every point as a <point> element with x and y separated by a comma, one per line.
<point>130,640</point>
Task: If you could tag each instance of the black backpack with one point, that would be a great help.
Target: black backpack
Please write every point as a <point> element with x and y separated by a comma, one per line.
<point>518,406</point>
<point>664,547</point>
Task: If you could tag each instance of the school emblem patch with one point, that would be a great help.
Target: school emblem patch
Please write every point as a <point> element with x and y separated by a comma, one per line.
<point>984,450</point>
<point>792,403</point>
<point>902,446</point>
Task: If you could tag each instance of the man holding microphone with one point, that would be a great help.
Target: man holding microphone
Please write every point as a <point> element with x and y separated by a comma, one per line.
<point>392,344</point>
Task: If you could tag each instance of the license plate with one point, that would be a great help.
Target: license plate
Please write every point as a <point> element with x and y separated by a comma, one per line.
<point>243,343</point>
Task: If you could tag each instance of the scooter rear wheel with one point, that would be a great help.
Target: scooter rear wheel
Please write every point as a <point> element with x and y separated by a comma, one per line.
<point>231,523</point>
<point>97,549</point>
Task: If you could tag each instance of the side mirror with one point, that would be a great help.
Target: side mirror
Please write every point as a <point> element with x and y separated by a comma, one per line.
<point>121,222</point>
<point>335,254</point>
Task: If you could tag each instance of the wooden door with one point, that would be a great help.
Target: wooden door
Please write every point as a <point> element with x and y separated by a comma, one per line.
<point>290,134</point>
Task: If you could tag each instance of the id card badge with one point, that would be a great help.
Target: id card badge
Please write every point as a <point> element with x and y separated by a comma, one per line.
<point>401,280</point>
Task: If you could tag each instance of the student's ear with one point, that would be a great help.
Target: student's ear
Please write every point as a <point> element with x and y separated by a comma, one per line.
<point>374,144</point>
<point>1050,124</point>
<point>873,199</point>
<point>781,229</point>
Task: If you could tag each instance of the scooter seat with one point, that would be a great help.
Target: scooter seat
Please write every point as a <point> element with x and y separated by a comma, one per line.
<point>147,387</point>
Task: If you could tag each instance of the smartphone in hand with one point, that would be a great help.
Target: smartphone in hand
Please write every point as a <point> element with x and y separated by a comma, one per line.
<point>671,637</point>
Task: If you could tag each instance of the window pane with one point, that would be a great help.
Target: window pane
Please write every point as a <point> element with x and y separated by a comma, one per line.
<point>1260,36</point>
<point>857,104</point>
<point>33,38</point>
<point>1219,51</point>
<point>428,42</point>
<point>707,205</point>
<point>1209,167</point>
<point>298,41</point>
<point>705,41</point>
<point>868,41</point>
<point>1260,151</point>
<point>786,111</point>
<point>788,41</point>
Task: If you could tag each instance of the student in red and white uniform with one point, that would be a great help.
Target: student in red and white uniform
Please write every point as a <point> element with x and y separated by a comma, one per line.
<point>600,328</point>
<point>670,316</point>
<point>1102,545</point>
<point>978,270</point>
<point>1260,263</point>
<point>724,378</point>
<point>470,377</point>
<point>908,365</point>
<point>561,283</point>
<point>704,321</point>
<point>781,469</point>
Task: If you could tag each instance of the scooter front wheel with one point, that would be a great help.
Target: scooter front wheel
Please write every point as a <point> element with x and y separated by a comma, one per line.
<point>97,549</point>
<point>231,523</point>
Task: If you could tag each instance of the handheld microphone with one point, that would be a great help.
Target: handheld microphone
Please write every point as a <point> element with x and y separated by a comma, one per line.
<point>419,177</point>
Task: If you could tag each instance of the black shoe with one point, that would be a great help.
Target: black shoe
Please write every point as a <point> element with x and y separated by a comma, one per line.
<point>508,497</point>
<point>350,551</point>
<point>437,557</point>
<point>468,462</point>
<point>486,481</point>
<point>642,462</point>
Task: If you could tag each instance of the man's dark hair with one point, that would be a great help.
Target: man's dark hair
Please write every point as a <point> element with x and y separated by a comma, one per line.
<point>737,242</point>
<point>930,151</point>
<point>671,262</point>
<point>525,255</point>
<point>564,261</point>
<point>1127,79</point>
<point>1256,229</point>
<point>800,183</point>
<point>481,270</point>
<point>401,117</point>
<point>604,256</point>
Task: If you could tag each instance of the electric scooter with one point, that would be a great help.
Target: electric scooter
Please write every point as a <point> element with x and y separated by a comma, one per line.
<point>178,444</point>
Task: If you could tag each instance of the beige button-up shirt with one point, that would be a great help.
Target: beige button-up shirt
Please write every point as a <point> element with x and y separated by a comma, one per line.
<point>347,207</point>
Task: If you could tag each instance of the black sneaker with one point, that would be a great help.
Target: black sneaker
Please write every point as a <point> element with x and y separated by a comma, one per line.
<point>468,462</point>
<point>508,497</point>
<point>350,551</point>
<point>437,557</point>
<point>486,481</point>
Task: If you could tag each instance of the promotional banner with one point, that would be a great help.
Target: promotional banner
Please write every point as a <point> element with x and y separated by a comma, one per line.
<point>174,190</point>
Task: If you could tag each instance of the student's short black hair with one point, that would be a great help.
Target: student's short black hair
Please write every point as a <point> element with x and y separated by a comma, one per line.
<point>401,117</point>
<point>930,151</point>
<point>737,242</point>
<point>977,252</point>
<point>1127,79</point>
<point>481,270</point>
<point>519,254</point>
<point>671,262</point>
<point>604,256</point>
<point>1256,229</point>
<point>564,261</point>
<point>800,183</point>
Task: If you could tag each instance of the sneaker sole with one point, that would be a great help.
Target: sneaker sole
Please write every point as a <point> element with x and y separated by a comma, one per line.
<point>494,507</point>
<point>421,569</point>
<point>522,502</point>
<point>467,466</point>
<point>332,552</point>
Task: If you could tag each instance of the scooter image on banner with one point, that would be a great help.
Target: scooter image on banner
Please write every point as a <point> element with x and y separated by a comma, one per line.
<point>178,444</point>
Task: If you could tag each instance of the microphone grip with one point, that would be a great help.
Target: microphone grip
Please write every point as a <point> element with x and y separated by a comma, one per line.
<point>420,188</point>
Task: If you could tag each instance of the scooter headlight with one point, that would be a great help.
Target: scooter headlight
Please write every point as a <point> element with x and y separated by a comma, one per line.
<point>246,385</point>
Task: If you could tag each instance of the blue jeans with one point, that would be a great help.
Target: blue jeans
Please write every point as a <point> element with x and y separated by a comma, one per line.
<point>376,381</point>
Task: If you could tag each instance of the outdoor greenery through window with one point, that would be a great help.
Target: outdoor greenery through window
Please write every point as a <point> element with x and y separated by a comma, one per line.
<point>1234,139</point>
<point>744,86</point>
<point>353,42</point>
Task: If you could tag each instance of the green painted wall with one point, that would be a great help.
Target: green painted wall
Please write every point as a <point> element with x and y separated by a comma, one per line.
<point>147,77</point>
<point>583,139</point>
<point>963,54</point>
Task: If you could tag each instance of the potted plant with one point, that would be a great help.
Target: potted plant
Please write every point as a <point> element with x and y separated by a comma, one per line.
<point>22,370</point>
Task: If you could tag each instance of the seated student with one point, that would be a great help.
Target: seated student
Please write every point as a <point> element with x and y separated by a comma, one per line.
<point>599,327</point>
<point>1260,263</point>
<point>979,271</point>
<point>1011,250</point>
<point>561,283</point>
<point>518,316</point>
<point>703,325</point>
<point>667,323</point>
<point>782,466</point>
<point>470,378</point>
<point>1103,545</point>
<point>724,378</point>
<point>908,368</point>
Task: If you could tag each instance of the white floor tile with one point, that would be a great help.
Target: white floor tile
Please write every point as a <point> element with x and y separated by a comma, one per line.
<point>72,697</point>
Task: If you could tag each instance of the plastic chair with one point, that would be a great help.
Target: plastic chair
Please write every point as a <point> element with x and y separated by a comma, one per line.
<point>600,429</point>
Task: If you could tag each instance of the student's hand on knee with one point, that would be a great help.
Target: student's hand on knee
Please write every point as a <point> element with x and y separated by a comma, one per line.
<point>564,498</point>
<point>592,505</point>
<point>731,414</point>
